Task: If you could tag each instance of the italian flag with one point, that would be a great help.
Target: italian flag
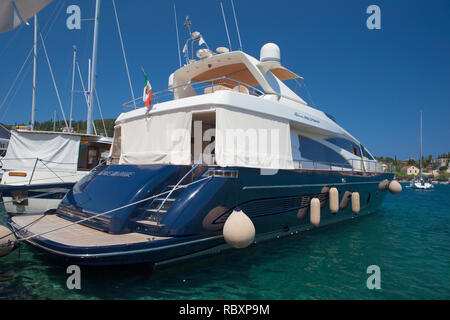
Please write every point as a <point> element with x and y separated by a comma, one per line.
<point>147,95</point>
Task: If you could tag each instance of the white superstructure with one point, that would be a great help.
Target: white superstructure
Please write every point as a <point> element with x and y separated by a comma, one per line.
<point>234,91</point>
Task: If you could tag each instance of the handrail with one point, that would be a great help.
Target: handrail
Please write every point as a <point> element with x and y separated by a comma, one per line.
<point>195,85</point>
<point>176,186</point>
<point>370,166</point>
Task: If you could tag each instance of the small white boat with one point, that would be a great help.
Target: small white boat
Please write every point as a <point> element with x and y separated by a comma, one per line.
<point>421,184</point>
<point>41,167</point>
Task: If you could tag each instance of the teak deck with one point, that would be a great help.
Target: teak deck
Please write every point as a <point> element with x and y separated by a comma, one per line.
<point>76,235</point>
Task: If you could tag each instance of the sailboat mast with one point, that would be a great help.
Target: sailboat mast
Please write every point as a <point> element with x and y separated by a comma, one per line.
<point>93,71</point>
<point>71,92</point>
<point>33,97</point>
<point>420,160</point>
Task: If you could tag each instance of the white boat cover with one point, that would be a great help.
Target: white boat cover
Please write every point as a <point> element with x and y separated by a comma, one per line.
<point>250,140</point>
<point>162,139</point>
<point>59,152</point>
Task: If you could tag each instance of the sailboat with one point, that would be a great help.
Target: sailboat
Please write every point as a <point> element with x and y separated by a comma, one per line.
<point>421,183</point>
<point>40,167</point>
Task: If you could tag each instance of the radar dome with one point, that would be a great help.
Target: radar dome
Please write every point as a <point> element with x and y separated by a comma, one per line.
<point>270,55</point>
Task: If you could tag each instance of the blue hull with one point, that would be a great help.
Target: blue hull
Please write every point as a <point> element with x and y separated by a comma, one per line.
<point>191,223</point>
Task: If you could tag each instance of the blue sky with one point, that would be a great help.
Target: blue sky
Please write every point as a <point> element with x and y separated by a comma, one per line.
<point>373,81</point>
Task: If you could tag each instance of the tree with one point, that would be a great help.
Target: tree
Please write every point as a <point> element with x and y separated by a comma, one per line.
<point>444,176</point>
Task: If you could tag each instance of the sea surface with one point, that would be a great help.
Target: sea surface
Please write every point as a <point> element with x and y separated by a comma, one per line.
<point>408,239</point>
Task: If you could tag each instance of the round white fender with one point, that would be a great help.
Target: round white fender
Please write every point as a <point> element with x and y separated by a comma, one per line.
<point>395,187</point>
<point>315,212</point>
<point>383,185</point>
<point>7,241</point>
<point>334,200</point>
<point>355,202</point>
<point>238,230</point>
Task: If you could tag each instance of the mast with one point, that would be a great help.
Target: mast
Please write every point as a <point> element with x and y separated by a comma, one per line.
<point>54,120</point>
<point>420,160</point>
<point>71,92</point>
<point>33,98</point>
<point>91,89</point>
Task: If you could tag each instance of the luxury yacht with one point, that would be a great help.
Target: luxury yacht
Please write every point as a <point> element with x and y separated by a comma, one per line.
<point>40,167</point>
<point>226,157</point>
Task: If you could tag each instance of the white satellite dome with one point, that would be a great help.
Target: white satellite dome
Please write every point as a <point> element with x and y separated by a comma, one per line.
<point>170,86</point>
<point>270,55</point>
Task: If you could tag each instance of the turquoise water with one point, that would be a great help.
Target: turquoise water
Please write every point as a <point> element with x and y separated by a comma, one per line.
<point>409,239</point>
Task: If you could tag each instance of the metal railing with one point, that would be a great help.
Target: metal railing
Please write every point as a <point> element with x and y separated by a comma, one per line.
<point>354,165</point>
<point>195,166</point>
<point>199,89</point>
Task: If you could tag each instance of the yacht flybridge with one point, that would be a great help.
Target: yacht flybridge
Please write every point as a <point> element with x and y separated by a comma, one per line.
<point>227,156</point>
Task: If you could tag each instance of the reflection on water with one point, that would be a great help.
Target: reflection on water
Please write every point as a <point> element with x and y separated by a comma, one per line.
<point>408,239</point>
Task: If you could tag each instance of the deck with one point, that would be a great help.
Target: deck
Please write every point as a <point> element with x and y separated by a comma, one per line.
<point>76,235</point>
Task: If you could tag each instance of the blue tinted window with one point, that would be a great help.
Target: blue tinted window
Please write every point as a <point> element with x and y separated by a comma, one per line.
<point>317,152</point>
<point>345,144</point>
<point>366,154</point>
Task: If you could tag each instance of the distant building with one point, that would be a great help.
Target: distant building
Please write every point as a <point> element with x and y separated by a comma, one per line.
<point>410,170</point>
<point>440,162</point>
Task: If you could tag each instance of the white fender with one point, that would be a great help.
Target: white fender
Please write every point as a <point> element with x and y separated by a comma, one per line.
<point>395,187</point>
<point>334,200</point>
<point>315,212</point>
<point>383,185</point>
<point>238,230</point>
<point>355,202</point>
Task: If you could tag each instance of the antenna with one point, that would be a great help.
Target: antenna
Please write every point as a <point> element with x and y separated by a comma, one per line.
<point>176,28</point>
<point>187,24</point>
<point>237,26</point>
<point>123,52</point>
<point>226,26</point>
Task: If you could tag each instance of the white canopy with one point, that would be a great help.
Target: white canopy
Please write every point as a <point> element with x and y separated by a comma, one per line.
<point>251,140</point>
<point>58,152</point>
<point>159,138</point>
<point>241,139</point>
